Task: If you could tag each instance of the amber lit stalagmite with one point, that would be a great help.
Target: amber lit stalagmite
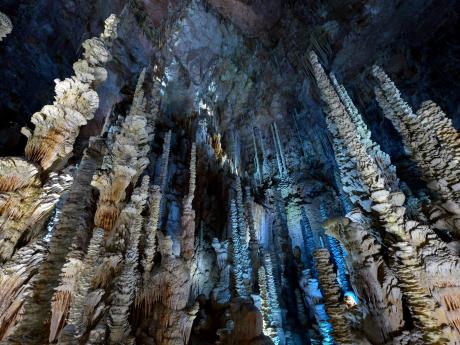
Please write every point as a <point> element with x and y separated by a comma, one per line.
<point>74,221</point>
<point>124,162</point>
<point>57,125</point>
<point>16,280</point>
<point>36,183</point>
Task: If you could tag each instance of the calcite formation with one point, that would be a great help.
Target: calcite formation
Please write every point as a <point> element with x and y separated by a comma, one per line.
<point>202,181</point>
<point>432,142</point>
<point>331,292</point>
<point>125,161</point>
<point>5,26</point>
<point>407,261</point>
<point>57,125</point>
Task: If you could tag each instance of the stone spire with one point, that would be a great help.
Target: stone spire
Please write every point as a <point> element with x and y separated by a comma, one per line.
<point>432,142</point>
<point>407,262</point>
<point>124,163</point>
<point>57,125</point>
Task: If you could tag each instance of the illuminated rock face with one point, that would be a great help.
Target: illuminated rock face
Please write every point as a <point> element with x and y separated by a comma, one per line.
<point>5,26</point>
<point>202,177</point>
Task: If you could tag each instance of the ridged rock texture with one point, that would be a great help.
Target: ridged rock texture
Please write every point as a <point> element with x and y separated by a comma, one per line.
<point>233,172</point>
<point>5,26</point>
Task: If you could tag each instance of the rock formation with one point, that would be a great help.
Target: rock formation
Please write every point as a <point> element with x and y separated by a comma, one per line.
<point>5,26</point>
<point>229,172</point>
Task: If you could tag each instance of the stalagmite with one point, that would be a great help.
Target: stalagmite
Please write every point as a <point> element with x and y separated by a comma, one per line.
<point>221,293</point>
<point>265,303</point>
<point>128,280</point>
<point>253,241</point>
<point>16,281</point>
<point>188,214</point>
<point>371,278</point>
<point>152,228</point>
<point>75,324</point>
<point>57,126</point>
<point>165,161</point>
<point>74,218</point>
<point>238,269</point>
<point>406,263</point>
<point>274,314</point>
<point>164,295</point>
<point>126,160</point>
<point>5,26</point>
<point>335,310</point>
<point>24,211</point>
<point>338,257</point>
<point>432,143</point>
<point>382,159</point>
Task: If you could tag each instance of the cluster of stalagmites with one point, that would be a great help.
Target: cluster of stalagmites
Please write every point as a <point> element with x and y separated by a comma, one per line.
<point>433,143</point>
<point>31,186</point>
<point>419,263</point>
<point>113,273</point>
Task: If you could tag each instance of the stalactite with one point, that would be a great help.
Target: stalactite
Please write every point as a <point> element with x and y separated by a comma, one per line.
<point>278,151</point>
<point>127,282</point>
<point>5,26</point>
<point>406,263</point>
<point>336,310</point>
<point>57,126</point>
<point>258,171</point>
<point>126,161</point>
<point>266,171</point>
<point>16,280</point>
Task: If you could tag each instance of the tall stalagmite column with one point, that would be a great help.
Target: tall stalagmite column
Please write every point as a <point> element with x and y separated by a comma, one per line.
<point>331,292</point>
<point>407,262</point>
<point>125,161</point>
<point>36,185</point>
<point>432,142</point>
